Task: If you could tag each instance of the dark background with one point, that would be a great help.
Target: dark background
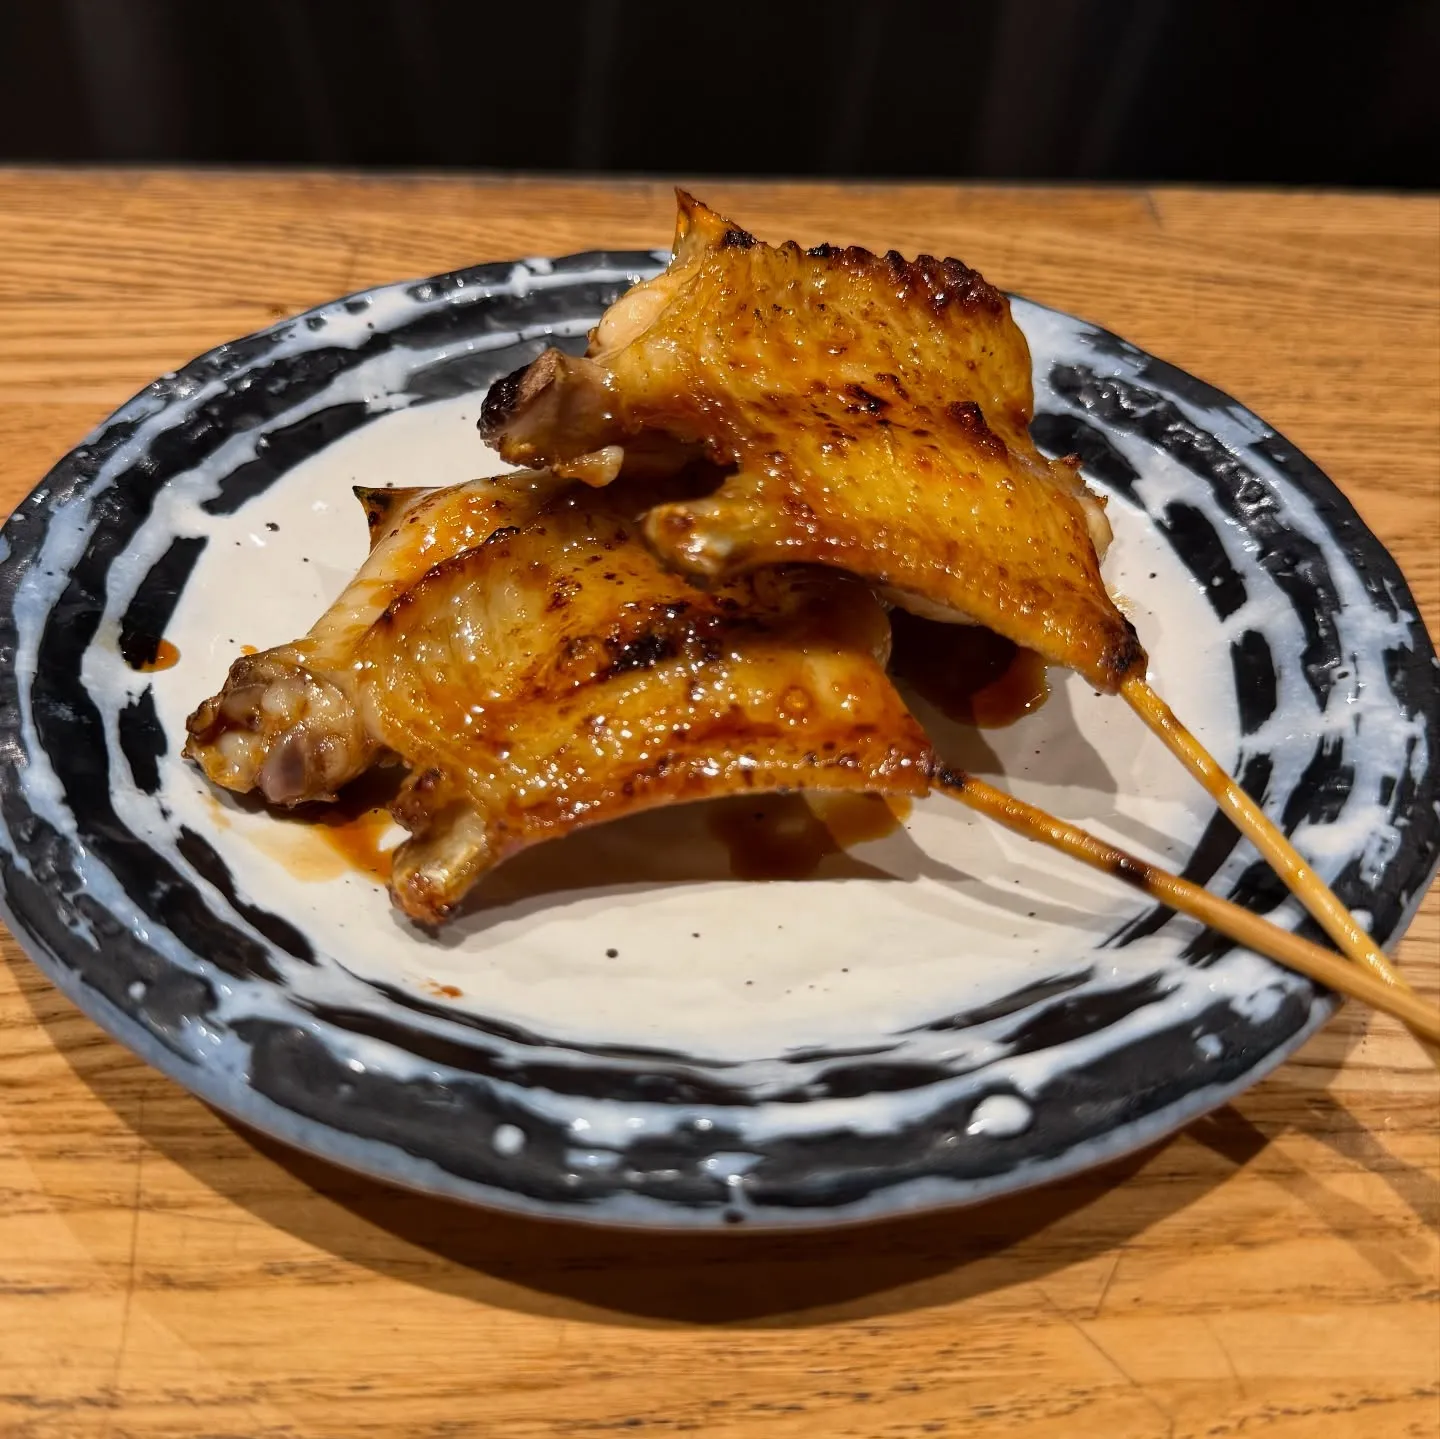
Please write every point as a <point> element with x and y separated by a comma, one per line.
<point>1260,91</point>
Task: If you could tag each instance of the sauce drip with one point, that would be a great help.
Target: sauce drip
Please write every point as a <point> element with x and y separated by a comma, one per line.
<point>787,836</point>
<point>357,840</point>
<point>322,842</point>
<point>766,836</point>
<point>166,657</point>
<point>970,674</point>
<point>355,825</point>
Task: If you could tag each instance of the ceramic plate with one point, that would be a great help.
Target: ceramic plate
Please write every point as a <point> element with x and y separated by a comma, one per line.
<point>622,1030</point>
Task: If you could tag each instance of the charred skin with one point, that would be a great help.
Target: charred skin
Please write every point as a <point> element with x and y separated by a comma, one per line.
<point>872,413</point>
<point>559,676</point>
<point>552,673</point>
<point>553,650</point>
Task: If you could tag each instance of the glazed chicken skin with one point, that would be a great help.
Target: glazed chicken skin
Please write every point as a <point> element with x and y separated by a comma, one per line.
<point>873,413</point>
<point>555,675</point>
<point>287,723</point>
<point>561,676</point>
<point>800,437</point>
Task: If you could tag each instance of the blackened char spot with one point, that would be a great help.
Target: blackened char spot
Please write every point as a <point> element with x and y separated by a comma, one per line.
<point>970,418</point>
<point>737,239</point>
<point>1131,870</point>
<point>1195,541</point>
<point>861,399</point>
<point>206,862</point>
<point>641,653</point>
<point>469,374</point>
<point>1124,655</point>
<point>1070,435</point>
<point>281,450</point>
<point>562,592</point>
<point>146,617</point>
<point>499,402</point>
<point>1256,688</point>
<point>142,740</point>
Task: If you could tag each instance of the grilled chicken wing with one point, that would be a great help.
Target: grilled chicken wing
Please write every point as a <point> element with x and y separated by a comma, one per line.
<point>874,413</point>
<point>555,675</point>
<point>287,722</point>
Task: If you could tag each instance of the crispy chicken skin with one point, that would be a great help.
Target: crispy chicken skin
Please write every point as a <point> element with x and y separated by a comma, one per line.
<point>873,414</point>
<point>557,674</point>
<point>561,675</point>
<point>286,723</point>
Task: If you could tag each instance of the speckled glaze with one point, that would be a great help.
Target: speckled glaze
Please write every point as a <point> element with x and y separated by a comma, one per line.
<point>620,1031</point>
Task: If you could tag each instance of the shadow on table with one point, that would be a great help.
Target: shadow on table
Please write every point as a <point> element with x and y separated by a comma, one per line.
<point>577,1272</point>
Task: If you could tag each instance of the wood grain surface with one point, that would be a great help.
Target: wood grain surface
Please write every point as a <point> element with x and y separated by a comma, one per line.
<point>1272,1271</point>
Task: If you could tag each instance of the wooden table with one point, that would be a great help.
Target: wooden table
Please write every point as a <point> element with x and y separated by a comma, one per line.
<point>1273,1271</point>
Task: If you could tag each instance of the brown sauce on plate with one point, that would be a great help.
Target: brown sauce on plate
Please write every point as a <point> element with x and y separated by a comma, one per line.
<point>765,836</point>
<point>321,842</point>
<point>787,836</point>
<point>357,840</point>
<point>970,674</point>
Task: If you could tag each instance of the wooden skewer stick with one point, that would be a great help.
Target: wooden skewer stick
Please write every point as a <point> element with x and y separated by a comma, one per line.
<point>1276,850</point>
<point>1257,827</point>
<point>1230,919</point>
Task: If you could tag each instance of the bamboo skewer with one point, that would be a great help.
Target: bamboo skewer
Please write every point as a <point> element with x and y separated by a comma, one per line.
<point>1229,919</point>
<point>1257,827</point>
<point>1274,848</point>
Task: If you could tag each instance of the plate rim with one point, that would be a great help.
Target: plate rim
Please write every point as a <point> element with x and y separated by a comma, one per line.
<point>243,1103</point>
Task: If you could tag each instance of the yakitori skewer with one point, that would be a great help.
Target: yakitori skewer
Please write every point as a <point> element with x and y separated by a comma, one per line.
<point>871,413</point>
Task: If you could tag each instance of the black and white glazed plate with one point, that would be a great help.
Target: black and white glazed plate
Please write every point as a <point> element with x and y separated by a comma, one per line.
<point>624,1033</point>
